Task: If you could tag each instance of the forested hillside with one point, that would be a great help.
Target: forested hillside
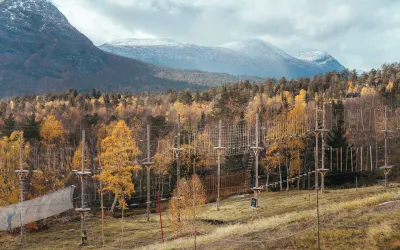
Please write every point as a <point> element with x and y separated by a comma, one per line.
<point>52,123</point>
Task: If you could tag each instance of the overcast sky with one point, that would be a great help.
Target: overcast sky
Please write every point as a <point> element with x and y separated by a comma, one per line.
<point>361,34</point>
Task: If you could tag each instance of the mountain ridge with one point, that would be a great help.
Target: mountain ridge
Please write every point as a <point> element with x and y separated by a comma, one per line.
<point>249,57</point>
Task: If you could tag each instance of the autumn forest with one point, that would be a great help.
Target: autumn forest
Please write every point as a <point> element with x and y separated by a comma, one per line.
<point>45,133</point>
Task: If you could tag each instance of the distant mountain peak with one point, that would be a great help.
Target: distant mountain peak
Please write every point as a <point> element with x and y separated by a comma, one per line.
<point>313,56</point>
<point>320,58</point>
<point>245,43</point>
<point>257,48</point>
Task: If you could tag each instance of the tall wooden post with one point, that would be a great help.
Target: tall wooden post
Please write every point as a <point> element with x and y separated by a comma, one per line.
<point>22,173</point>
<point>178,163</point>
<point>323,171</point>
<point>386,168</point>
<point>280,176</point>
<point>219,152</point>
<point>83,186</point>
<point>148,165</point>
<point>177,150</point>
<point>316,148</point>
<point>257,150</point>
<point>316,172</point>
<point>83,209</point>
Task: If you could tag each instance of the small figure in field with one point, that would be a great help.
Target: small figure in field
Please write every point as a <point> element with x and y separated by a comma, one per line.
<point>10,215</point>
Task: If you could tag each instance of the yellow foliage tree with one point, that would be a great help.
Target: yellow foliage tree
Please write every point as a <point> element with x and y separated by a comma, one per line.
<point>118,154</point>
<point>367,91</point>
<point>389,86</point>
<point>297,116</point>
<point>46,181</point>
<point>274,157</point>
<point>52,131</point>
<point>183,208</point>
<point>163,158</point>
<point>295,149</point>
<point>9,162</point>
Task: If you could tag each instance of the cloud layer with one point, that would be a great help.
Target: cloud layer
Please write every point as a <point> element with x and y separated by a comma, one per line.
<point>361,34</point>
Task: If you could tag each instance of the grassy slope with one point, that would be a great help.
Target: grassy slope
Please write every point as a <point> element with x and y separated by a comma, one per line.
<point>350,219</point>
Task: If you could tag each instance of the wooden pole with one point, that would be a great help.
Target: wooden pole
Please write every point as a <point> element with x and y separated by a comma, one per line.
<point>159,211</point>
<point>101,200</point>
<point>376,155</point>
<point>83,191</point>
<point>287,168</point>
<point>257,145</point>
<point>148,173</point>
<point>178,167</point>
<point>280,176</point>
<point>194,204</point>
<point>316,148</point>
<point>21,187</point>
<point>219,163</point>
<point>323,149</point>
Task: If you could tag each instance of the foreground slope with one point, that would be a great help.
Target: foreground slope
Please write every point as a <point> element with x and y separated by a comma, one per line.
<point>363,218</point>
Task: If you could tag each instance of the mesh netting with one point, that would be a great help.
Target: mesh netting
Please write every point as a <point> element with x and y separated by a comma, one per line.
<point>36,209</point>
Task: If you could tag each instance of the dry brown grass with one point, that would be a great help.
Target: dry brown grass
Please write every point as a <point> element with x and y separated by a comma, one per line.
<point>281,214</point>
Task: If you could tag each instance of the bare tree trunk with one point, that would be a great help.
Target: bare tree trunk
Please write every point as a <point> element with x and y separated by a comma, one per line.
<point>54,160</point>
<point>113,205</point>
<point>162,186</point>
<point>267,182</point>
<point>280,178</point>
<point>298,183</point>
<point>351,159</point>
<point>376,154</point>
<point>287,175</point>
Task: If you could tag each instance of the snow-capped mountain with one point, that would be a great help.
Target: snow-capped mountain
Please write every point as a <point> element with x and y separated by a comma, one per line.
<point>324,60</point>
<point>22,17</point>
<point>41,51</point>
<point>250,57</point>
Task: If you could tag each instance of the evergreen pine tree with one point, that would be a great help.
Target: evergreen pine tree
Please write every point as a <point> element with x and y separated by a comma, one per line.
<point>9,125</point>
<point>32,128</point>
<point>337,136</point>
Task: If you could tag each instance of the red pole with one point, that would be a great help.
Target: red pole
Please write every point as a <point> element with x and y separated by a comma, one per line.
<point>159,210</point>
